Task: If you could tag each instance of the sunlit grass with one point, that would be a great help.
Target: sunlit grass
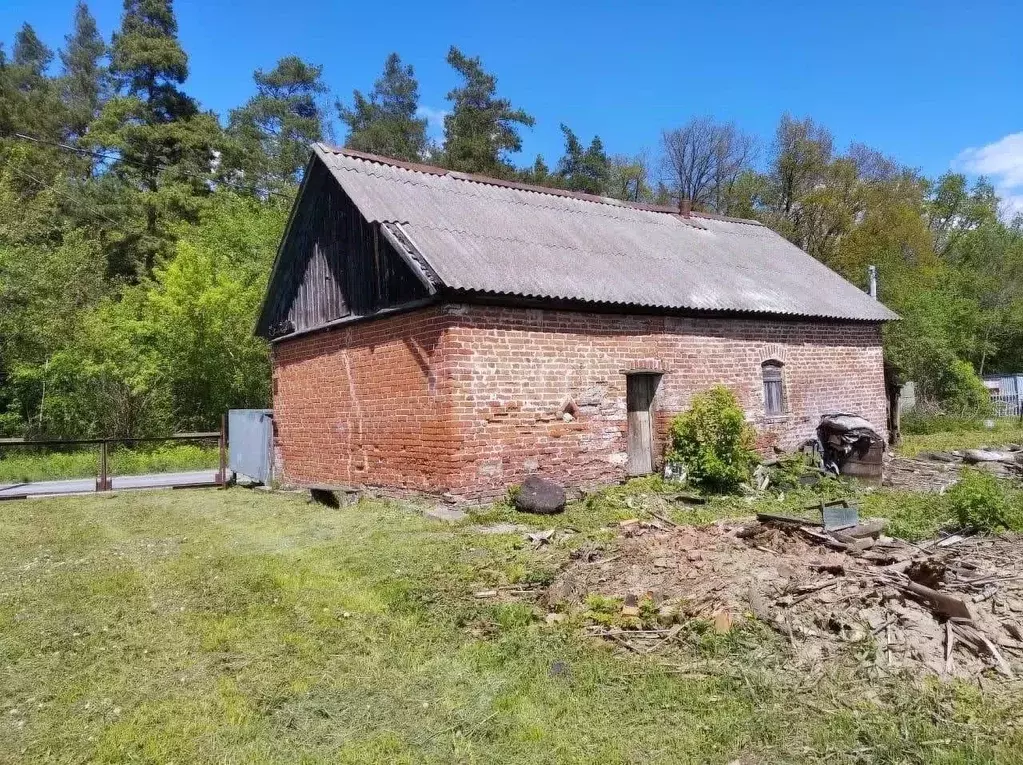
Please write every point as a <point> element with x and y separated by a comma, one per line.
<point>1006,430</point>
<point>213,626</point>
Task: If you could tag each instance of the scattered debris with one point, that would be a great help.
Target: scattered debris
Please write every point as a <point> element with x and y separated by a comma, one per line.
<point>921,474</point>
<point>540,538</point>
<point>839,515</point>
<point>501,528</point>
<point>973,456</point>
<point>937,471</point>
<point>952,606</point>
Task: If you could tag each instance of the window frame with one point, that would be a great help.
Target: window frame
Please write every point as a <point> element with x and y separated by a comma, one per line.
<point>772,375</point>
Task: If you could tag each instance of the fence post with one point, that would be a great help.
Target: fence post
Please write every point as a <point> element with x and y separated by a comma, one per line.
<point>222,474</point>
<point>104,483</point>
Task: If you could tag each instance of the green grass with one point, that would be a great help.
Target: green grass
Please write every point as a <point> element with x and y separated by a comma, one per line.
<point>1005,431</point>
<point>212,626</point>
<point>21,464</point>
<point>911,515</point>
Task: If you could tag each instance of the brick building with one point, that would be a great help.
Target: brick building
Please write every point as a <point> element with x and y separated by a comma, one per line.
<point>439,332</point>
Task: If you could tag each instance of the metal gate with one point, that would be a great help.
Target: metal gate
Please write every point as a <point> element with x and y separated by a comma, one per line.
<point>250,438</point>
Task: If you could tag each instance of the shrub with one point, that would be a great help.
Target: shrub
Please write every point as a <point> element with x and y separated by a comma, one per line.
<point>962,391</point>
<point>982,502</point>
<point>714,441</point>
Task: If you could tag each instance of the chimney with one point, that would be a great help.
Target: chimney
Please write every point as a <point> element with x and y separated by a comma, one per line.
<point>685,206</point>
<point>872,277</point>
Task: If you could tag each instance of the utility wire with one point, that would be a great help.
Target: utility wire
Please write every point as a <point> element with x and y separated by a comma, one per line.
<point>146,165</point>
<point>43,185</point>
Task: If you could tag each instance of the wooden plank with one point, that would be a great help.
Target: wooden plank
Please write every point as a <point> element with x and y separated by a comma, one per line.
<point>639,393</point>
<point>943,603</point>
<point>337,264</point>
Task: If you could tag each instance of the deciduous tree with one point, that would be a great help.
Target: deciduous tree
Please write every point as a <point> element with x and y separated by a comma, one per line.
<point>703,159</point>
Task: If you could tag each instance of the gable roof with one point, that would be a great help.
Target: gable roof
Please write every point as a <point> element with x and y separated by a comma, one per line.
<point>486,236</point>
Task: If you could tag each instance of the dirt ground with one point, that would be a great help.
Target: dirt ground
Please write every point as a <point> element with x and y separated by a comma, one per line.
<point>850,604</point>
<point>936,471</point>
<point>920,474</point>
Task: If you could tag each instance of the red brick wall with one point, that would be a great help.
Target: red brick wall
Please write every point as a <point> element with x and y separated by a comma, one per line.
<point>522,368</point>
<point>366,405</point>
<point>359,406</point>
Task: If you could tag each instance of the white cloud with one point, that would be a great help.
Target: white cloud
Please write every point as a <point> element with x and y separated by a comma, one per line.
<point>1000,162</point>
<point>434,117</point>
<point>1012,205</point>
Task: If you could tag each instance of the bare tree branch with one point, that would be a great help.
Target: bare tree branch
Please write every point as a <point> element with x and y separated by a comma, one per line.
<point>702,160</point>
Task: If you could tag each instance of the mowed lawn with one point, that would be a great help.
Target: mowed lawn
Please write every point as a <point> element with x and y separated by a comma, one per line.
<point>238,626</point>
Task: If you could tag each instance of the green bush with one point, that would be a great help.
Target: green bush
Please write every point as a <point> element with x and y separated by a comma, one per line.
<point>714,441</point>
<point>962,391</point>
<point>982,502</point>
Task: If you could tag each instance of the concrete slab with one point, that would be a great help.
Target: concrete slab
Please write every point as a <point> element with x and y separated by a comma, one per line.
<point>445,513</point>
<point>87,485</point>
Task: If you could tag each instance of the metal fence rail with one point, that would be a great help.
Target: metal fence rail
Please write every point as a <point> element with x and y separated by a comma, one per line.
<point>104,481</point>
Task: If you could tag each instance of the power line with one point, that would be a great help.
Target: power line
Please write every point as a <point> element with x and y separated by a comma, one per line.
<point>146,165</point>
<point>44,185</point>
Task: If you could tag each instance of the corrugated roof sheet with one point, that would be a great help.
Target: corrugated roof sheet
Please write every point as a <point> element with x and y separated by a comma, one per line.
<point>494,237</point>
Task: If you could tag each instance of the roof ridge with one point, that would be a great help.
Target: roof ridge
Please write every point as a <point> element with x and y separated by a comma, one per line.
<point>521,186</point>
<point>608,212</point>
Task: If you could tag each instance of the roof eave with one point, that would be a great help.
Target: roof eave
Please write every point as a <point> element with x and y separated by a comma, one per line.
<point>261,329</point>
<point>577,304</point>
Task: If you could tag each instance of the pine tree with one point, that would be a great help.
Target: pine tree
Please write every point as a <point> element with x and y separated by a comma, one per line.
<point>539,174</point>
<point>148,62</point>
<point>482,129</point>
<point>34,106</point>
<point>165,146</point>
<point>31,56</point>
<point>385,122</point>
<point>583,170</point>
<point>270,135</point>
<point>596,168</point>
<point>29,105</point>
<point>85,78</point>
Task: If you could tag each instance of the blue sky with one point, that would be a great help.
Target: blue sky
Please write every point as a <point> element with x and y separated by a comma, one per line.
<point>934,84</point>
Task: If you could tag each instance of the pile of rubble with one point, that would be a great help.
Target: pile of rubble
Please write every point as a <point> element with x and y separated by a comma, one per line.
<point>952,606</point>
<point>936,471</point>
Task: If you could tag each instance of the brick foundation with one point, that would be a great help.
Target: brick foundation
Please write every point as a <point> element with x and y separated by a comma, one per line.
<point>470,399</point>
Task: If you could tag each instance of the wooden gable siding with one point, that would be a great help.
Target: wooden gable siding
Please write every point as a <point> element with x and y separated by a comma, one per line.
<point>335,264</point>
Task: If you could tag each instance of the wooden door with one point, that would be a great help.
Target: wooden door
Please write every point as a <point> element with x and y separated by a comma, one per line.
<point>639,401</point>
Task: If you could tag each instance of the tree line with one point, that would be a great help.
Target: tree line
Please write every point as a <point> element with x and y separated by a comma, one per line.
<point>137,229</point>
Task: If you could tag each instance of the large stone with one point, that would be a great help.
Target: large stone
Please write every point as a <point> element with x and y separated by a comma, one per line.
<point>538,495</point>
<point>977,456</point>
